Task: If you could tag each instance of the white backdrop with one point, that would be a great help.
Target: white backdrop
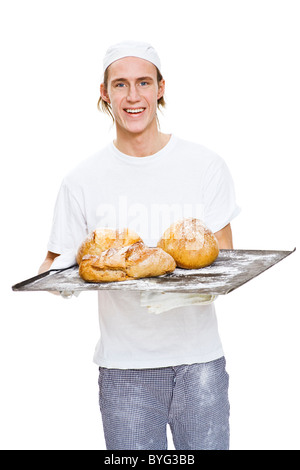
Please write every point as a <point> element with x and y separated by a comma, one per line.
<point>232,76</point>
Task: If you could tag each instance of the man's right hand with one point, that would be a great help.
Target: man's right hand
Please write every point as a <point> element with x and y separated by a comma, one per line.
<point>46,266</point>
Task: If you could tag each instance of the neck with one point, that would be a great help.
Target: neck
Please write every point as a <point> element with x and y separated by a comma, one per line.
<point>142,144</point>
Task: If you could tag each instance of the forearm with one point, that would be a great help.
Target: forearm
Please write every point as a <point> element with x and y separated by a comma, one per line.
<point>46,265</point>
<point>224,238</point>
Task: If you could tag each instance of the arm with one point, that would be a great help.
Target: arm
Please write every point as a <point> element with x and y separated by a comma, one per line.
<point>224,237</point>
<point>46,265</point>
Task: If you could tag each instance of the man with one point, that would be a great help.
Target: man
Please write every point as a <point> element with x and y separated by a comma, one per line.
<point>162,369</point>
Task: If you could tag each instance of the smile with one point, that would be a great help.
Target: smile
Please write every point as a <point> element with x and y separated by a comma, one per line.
<point>134,111</point>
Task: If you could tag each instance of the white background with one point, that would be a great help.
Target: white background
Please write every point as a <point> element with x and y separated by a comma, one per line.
<point>232,84</point>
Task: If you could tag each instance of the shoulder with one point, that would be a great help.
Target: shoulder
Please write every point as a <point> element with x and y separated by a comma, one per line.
<point>198,153</point>
<point>84,171</point>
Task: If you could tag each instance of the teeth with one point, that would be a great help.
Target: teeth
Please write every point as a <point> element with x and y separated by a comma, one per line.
<point>134,111</point>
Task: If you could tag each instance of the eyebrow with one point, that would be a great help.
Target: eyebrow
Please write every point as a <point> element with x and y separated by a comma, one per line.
<point>126,80</point>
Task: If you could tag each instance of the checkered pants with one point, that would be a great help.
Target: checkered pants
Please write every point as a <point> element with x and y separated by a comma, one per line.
<point>137,404</point>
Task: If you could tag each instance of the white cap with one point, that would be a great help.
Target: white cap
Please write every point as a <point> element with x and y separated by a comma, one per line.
<point>142,50</point>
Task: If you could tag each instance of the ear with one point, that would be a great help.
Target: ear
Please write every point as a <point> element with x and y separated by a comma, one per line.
<point>104,93</point>
<point>161,89</point>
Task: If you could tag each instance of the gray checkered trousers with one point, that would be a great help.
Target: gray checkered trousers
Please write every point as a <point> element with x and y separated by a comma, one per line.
<point>138,404</point>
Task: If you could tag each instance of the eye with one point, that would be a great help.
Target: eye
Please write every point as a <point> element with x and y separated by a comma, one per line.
<point>120,85</point>
<point>143,83</point>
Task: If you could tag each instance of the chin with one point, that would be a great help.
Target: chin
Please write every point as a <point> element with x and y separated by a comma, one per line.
<point>139,128</point>
<point>136,129</point>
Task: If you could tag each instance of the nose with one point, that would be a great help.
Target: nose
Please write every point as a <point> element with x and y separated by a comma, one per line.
<point>133,94</point>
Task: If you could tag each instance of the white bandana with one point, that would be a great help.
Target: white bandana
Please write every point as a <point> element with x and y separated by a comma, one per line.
<point>142,50</point>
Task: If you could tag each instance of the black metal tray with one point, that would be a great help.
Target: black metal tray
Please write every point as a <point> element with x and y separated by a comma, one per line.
<point>231,269</point>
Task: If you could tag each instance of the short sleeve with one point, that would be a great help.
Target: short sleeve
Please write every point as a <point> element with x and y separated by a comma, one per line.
<point>219,195</point>
<point>69,226</point>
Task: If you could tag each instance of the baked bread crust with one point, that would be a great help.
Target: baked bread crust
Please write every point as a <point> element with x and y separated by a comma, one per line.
<point>104,238</point>
<point>190,243</point>
<point>130,262</point>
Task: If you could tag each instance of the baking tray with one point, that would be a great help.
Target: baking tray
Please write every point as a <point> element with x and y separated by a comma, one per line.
<point>232,269</point>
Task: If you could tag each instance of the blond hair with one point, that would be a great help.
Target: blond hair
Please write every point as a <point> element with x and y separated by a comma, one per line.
<point>106,108</point>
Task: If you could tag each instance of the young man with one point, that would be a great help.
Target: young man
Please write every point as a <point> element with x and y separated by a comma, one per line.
<point>154,369</point>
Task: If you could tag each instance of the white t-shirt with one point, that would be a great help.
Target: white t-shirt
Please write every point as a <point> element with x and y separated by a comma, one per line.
<point>146,194</point>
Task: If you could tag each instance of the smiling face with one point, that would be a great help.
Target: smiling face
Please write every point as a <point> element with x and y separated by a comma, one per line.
<point>132,92</point>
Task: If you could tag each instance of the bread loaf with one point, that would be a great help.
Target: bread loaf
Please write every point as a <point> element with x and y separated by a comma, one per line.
<point>104,238</point>
<point>130,262</point>
<point>190,243</point>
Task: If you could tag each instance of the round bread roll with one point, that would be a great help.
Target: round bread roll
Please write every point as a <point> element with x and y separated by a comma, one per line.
<point>190,243</point>
<point>130,262</point>
<point>104,238</point>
